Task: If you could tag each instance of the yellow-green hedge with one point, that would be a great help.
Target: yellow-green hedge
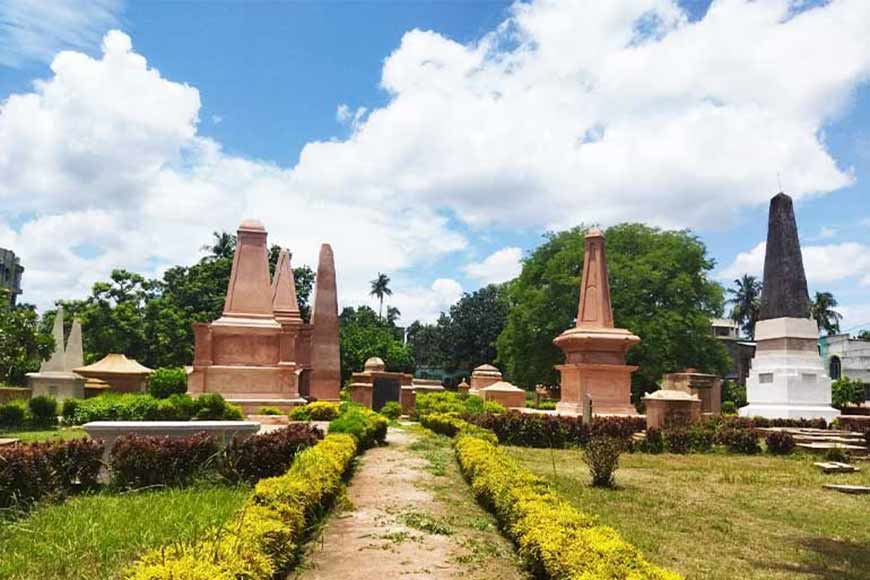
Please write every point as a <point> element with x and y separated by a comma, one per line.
<point>451,425</point>
<point>558,540</point>
<point>263,539</point>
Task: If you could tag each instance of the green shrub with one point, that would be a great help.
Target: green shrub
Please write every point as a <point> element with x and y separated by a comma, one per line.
<point>316,411</point>
<point>391,410</point>
<point>701,437</point>
<point>43,411</point>
<point>167,381</point>
<point>459,404</point>
<point>261,542</point>
<point>733,393</point>
<point>271,411</point>
<point>837,454</point>
<point>601,455</point>
<point>210,406</point>
<point>451,425</point>
<point>845,392</point>
<point>13,414</point>
<point>136,407</point>
<point>779,442</point>
<point>729,408</point>
<point>368,427</point>
<point>678,438</point>
<point>555,538</point>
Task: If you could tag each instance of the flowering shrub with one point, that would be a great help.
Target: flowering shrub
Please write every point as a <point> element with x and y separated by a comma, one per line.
<point>268,454</point>
<point>260,543</point>
<point>143,461</point>
<point>555,538</point>
<point>29,472</point>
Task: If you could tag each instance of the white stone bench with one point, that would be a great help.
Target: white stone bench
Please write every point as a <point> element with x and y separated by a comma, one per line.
<point>222,431</point>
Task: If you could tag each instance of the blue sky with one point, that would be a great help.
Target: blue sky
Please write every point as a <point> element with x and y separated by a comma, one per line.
<point>258,81</point>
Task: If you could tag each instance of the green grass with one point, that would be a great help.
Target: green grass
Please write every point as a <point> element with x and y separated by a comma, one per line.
<point>44,434</point>
<point>97,536</point>
<point>718,516</point>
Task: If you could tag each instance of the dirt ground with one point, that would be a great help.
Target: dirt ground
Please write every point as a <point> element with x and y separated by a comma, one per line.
<point>409,515</point>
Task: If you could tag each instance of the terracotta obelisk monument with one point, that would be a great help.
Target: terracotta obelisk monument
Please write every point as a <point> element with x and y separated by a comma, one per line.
<point>325,382</point>
<point>594,349</point>
<point>787,378</point>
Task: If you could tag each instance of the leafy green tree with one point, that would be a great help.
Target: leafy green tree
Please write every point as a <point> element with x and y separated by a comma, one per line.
<point>222,246</point>
<point>425,342</point>
<point>23,346</point>
<point>362,335</point>
<point>393,315</point>
<point>845,392</point>
<point>381,288</point>
<point>822,310</point>
<point>473,327</point>
<point>745,303</point>
<point>864,335</point>
<point>660,290</point>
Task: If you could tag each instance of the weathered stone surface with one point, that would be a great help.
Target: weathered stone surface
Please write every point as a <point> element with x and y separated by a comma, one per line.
<point>55,362</point>
<point>594,349</point>
<point>74,356</point>
<point>249,290</point>
<point>325,382</point>
<point>284,302</point>
<point>785,283</point>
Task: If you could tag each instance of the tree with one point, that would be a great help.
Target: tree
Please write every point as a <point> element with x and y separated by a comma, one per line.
<point>425,342</point>
<point>746,303</point>
<point>393,314</point>
<point>472,328</point>
<point>822,309</point>
<point>23,345</point>
<point>381,288</point>
<point>223,246</point>
<point>362,335</point>
<point>864,335</point>
<point>660,290</point>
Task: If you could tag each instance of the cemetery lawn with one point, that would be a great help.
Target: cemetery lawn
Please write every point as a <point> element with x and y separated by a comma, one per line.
<point>45,434</point>
<point>717,516</point>
<point>96,536</point>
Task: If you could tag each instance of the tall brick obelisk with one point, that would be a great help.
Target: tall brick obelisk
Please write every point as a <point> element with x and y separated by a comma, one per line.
<point>594,349</point>
<point>325,384</point>
<point>787,379</point>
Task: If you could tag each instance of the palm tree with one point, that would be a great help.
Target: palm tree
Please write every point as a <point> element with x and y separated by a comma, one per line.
<point>823,312</point>
<point>393,314</point>
<point>381,288</point>
<point>746,303</point>
<point>224,245</point>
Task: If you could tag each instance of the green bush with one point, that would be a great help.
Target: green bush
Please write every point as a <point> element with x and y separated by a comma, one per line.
<point>451,425</point>
<point>846,392</point>
<point>555,538</point>
<point>271,411</point>
<point>13,414</point>
<point>316,411</point>
<point>368,427</point>
<point>391,410</point>
<point>260,544</point>
<point>733,393</point>
<point>729,408</point>
<point>167,381</point>
<point>601,455</point>
<point>458,404</point>
<point>43,411</point>
<point>837,454</point>
<point>136,407</point>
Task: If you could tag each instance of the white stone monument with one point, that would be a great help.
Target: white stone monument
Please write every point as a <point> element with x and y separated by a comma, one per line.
<point>787,379</point>
<point>55,377</point>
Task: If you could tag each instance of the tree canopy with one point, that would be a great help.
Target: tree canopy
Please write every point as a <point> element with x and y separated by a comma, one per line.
<point>364,334</point>
<point>660,290</point>
<point>822,311</point>
<point>22,345</point>
<point>745,303</point>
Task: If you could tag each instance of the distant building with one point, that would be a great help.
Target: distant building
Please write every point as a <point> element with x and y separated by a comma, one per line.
<point>741,351</point>
<point>848,357</point>
<point>10,273</point>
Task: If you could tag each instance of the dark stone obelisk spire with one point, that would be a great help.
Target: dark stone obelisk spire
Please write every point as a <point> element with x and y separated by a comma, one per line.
<point>785,284</point>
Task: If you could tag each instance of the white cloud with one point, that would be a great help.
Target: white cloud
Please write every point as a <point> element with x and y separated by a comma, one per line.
<point>420,302</point>
<point>32,30</point>
<point>826,233</point>
<point>498,267</point>
<point>569,112</point>
<point>824,264</point>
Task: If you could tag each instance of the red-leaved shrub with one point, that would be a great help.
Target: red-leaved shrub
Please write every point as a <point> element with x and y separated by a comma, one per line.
<point>142,461</point>
<point>269,454</point>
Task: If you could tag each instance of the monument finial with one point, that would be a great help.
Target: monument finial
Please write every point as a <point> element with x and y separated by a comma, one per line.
<point>784,293</point>
<point>284,302</point>
<point>594,310</point>
<point>56,360</point>
<point>249,292</point>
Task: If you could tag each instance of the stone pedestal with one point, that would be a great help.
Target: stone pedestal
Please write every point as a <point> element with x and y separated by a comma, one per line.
<point>59,385</point>
<point>505,394</point>
<point>594,349</point>
<point>708,388</point>
<point>788,379</point>
<point>668,406</point>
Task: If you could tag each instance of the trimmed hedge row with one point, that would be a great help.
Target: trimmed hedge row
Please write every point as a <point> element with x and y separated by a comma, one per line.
<point>559,541</point>
<point>451,426</point>
<point>458,404</point>
<point>136,407</point>
<point>316,411</point>
<point>38,412</point>
<point>31,472</point>
<point>368,427</point>
<point>555,431</point>
<point>264,538</point>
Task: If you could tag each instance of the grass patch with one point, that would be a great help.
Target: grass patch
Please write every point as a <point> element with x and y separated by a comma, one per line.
<point>44,434</point>
<point>758,517</point>
<point>96,536</point>
<point>426,523</point>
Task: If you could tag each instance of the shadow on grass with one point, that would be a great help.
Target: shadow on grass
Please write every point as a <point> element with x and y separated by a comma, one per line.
<point>829,559</point>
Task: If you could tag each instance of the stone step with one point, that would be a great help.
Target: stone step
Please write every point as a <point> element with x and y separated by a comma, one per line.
<point>836,467</point>
<point>822,447</point>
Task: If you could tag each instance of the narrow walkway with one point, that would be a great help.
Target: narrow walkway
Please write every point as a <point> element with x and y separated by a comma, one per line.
<point>410,516</point>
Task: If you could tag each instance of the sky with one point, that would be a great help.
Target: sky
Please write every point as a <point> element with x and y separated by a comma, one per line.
<point>435,141</point>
